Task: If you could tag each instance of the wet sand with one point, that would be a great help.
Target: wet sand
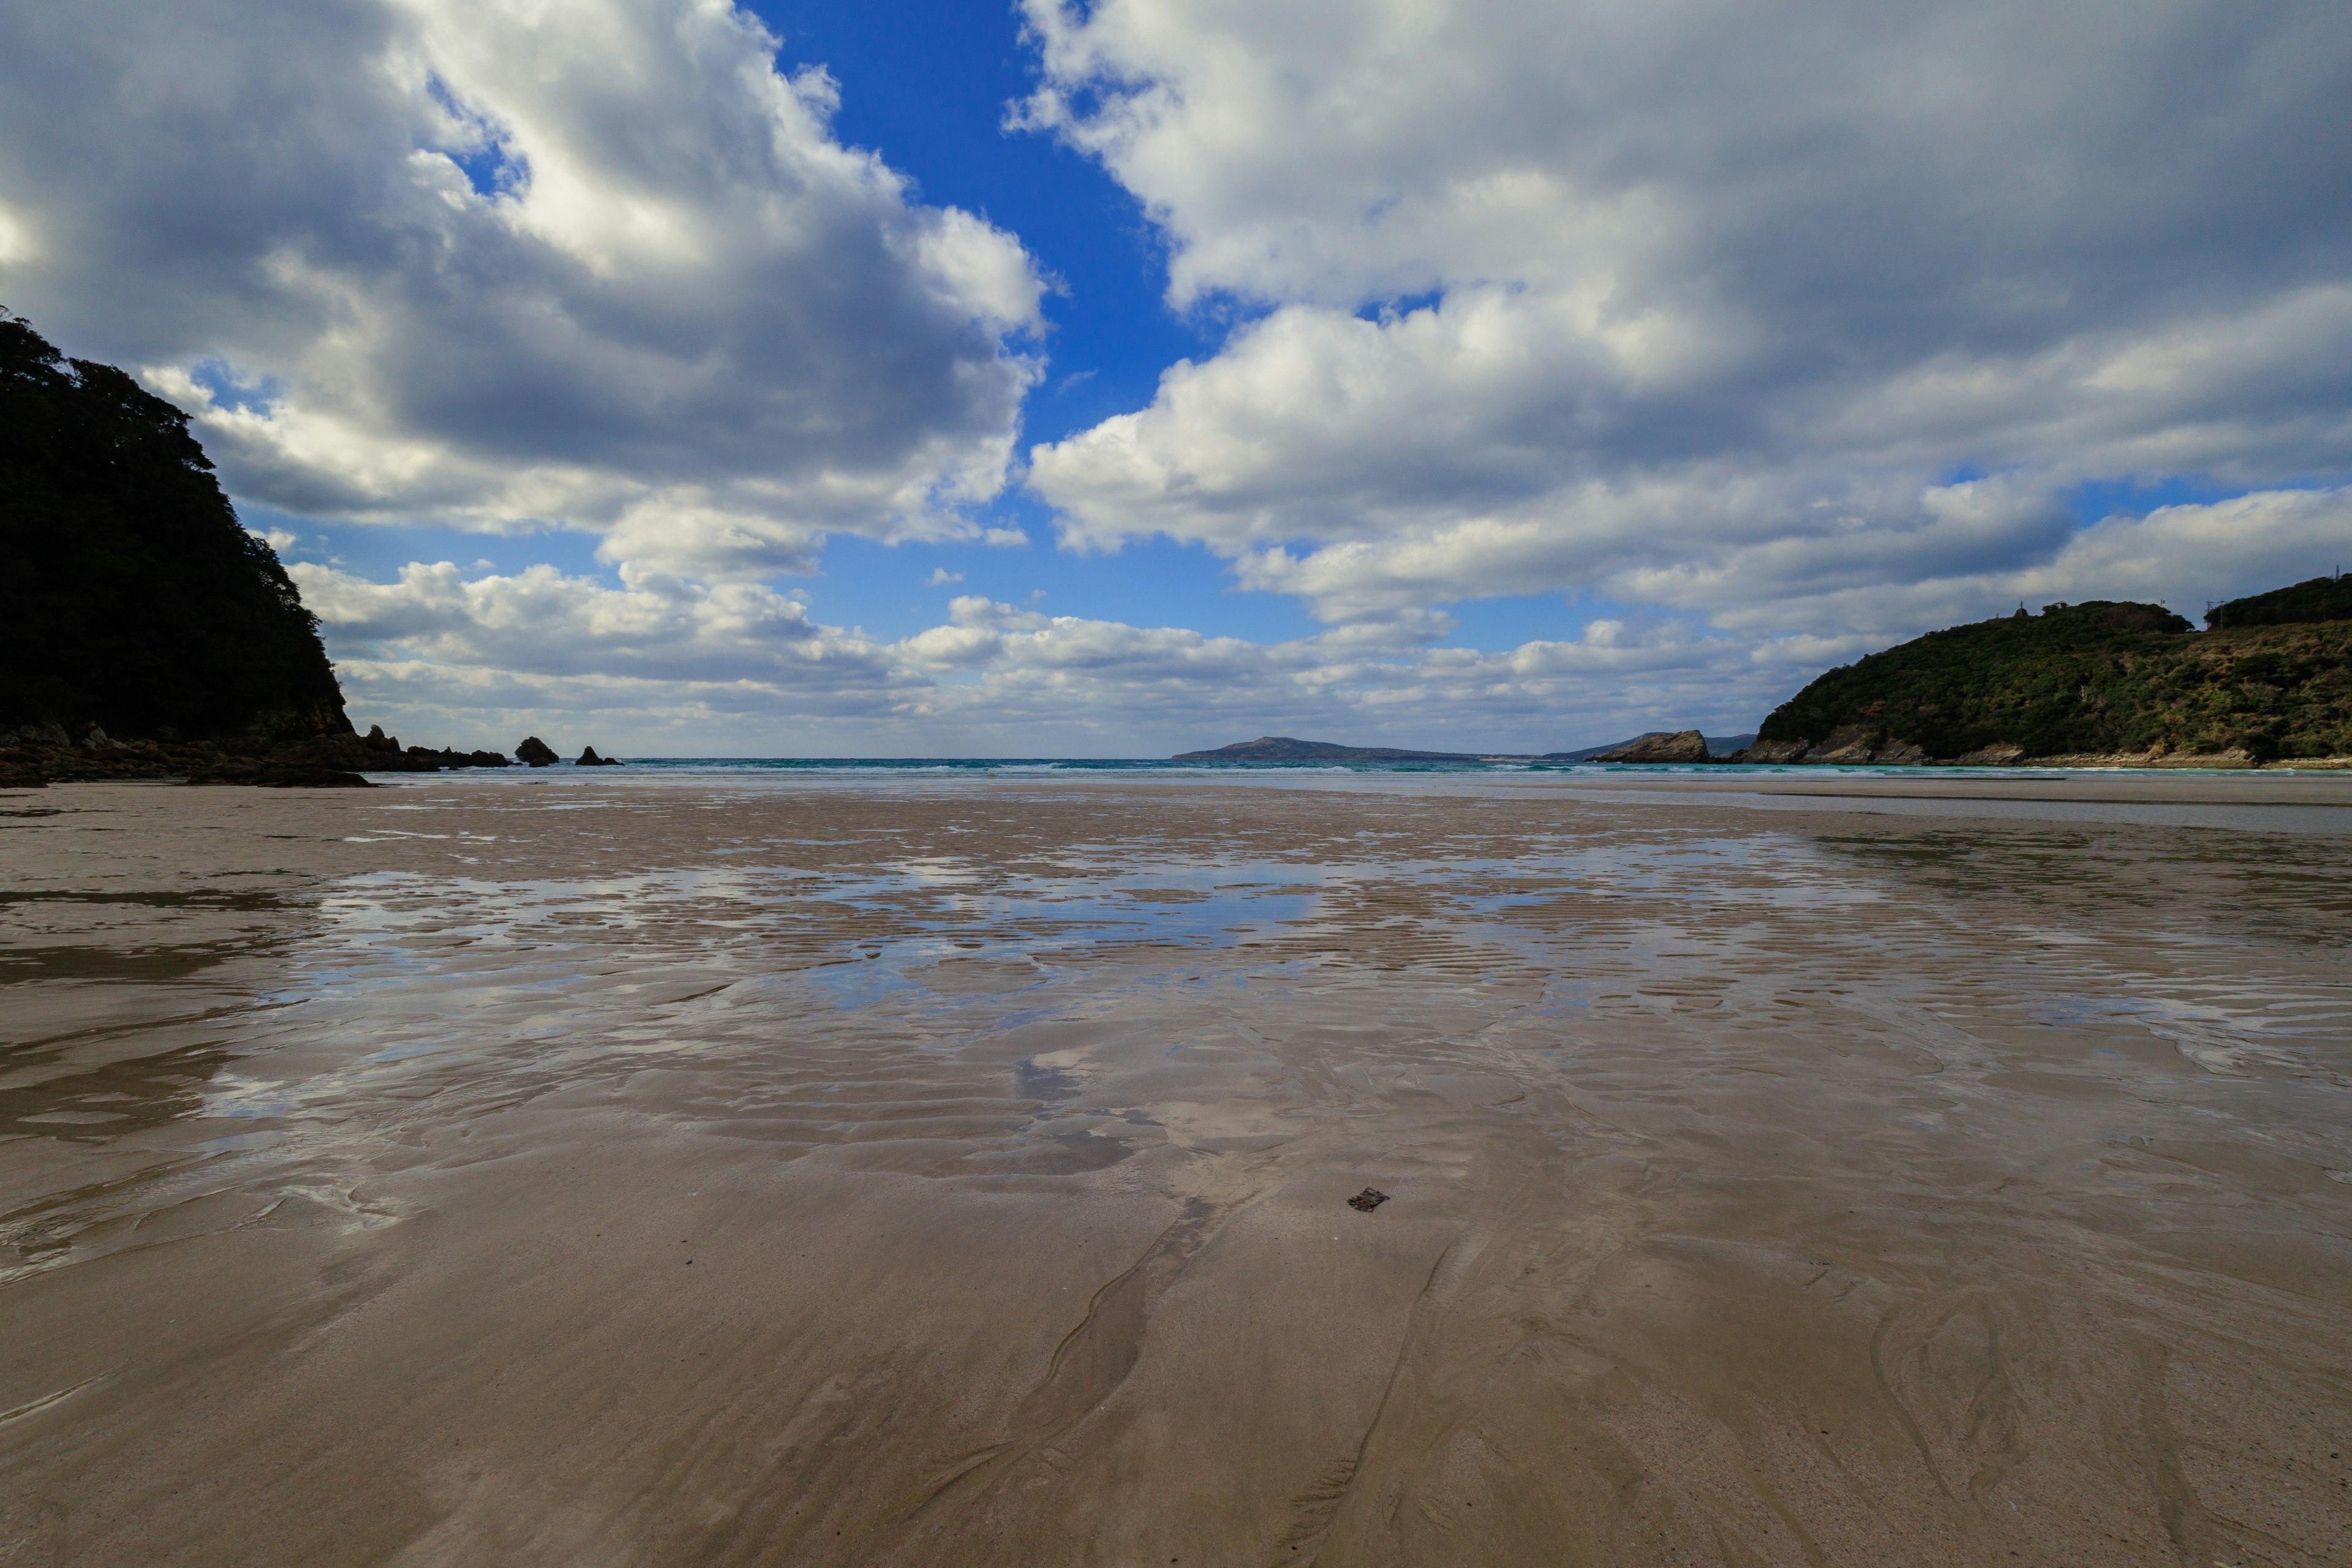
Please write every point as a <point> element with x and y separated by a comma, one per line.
<point>590,1170</point>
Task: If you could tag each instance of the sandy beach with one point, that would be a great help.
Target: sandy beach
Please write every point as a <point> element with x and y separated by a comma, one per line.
<point>599,1170</point>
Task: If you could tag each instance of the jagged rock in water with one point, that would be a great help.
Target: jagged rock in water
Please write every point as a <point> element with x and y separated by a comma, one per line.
<point>589,758</point>
<point>132,604</point>
<point>1682,746</point>
<point>536,752</point>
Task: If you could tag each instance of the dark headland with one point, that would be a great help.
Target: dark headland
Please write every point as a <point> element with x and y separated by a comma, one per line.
<point>144,632</point>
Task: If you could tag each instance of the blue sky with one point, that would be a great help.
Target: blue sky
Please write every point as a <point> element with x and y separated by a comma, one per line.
<point>927,85</point>
<point>1513,374</point>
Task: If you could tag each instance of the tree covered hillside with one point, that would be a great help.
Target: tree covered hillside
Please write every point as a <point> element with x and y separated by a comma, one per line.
<point>2321,599</point>
<point>130,595</point>
<point>2092,678</point>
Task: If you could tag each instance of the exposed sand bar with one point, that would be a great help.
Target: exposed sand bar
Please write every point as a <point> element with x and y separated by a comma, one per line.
<point>637,1170</point>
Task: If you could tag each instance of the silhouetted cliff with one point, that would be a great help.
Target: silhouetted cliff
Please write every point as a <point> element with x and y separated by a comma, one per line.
<point>131,598</point>
<point>2320,599</point>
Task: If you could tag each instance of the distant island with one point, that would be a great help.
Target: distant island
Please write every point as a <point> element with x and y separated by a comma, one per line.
<point>1283,749</point>
<point>2096,684</point>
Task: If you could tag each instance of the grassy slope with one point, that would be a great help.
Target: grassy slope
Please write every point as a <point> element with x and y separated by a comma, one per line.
<point>2095,678</point>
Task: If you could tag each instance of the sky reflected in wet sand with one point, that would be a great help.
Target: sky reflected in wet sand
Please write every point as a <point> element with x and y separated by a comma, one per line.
<point>953,1170</point>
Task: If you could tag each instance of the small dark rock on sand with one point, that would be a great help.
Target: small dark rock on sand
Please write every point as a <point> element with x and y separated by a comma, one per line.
<point>1368,1200</point>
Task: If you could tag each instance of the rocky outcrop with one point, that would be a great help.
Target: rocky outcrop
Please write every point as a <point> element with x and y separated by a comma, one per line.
<point>1849,747</point>
<point>377,753</point>
<point>280,775</point>
<point>1847,744</point>
<point>589,758</point>
<point>15,774</point>
<point>34,755</point>
<point>2237,757</point>
<point>1682,746</point>
<point>1771,751</point>
<point>25,766</point>
<point>536,752</point>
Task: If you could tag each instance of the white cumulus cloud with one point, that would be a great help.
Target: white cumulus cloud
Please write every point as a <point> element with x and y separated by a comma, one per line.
<point>1617,295</point>
<point>667,666</point>
<point>501,263</point>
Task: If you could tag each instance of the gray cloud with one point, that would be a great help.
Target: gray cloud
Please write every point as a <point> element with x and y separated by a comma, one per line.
<point>1791,329</point>
<point>595,263</point>
<point>666,665</point>
<point>1713,286</point>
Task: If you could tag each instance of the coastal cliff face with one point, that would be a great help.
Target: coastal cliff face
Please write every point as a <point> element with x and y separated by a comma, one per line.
<point>131,599</point>
<point>2097,682</point>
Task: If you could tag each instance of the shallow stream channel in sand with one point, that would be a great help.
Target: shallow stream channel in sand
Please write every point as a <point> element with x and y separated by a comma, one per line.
<point>581,1169</point>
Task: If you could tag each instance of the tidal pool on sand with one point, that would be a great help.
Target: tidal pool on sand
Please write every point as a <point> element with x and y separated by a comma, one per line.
<point>708,1170</point>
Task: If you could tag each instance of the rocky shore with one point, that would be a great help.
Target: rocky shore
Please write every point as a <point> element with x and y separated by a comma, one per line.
<point>38,754</point>
<point>1853,747</point>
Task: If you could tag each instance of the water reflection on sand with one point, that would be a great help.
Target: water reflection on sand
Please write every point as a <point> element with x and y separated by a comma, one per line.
<point>1790,1185</point>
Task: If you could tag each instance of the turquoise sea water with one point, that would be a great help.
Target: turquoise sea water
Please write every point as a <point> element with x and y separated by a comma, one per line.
<point>2051,793</point>
<point>949,765</point>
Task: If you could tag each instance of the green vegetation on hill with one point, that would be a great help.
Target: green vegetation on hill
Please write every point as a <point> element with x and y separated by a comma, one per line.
<point>2093,679</point>
<point>130,595</point>
<point>2321,599</point>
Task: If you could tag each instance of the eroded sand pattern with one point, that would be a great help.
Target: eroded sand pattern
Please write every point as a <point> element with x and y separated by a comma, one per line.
<point>657,1170</point>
